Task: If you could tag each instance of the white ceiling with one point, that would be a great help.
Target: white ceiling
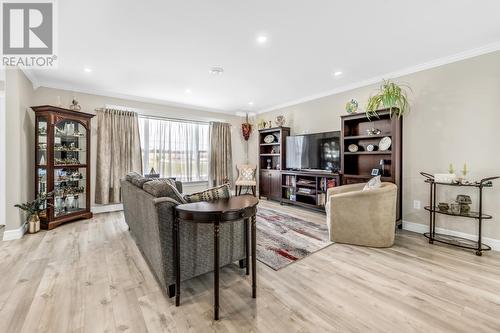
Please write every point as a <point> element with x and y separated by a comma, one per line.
<point>158,49</point>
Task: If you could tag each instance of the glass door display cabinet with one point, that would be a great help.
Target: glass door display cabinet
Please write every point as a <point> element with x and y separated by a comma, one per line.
<point>62,163</point>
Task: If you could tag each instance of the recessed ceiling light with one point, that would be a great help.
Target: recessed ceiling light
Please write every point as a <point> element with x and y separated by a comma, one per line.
<point>250,103</point>
<point>87,70</point>
<point>188,91</point>
<point>216,70</point>
<point>261,39</point>
<point>337,73</point>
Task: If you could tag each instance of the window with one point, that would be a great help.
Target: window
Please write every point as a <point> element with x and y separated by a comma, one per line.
<point>175,148</point>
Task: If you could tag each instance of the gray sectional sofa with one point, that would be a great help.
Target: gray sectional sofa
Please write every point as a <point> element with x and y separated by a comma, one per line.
<point>151,220</point>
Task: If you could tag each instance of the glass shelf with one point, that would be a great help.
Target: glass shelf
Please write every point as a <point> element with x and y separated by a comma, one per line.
<point>472,215</point>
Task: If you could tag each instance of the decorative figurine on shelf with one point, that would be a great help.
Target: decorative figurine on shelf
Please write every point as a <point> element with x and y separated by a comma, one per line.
<point>261,124</point>
<point>454,208</point>
<point>269,163</point>
<point>34,208</point>
<point>280,121</point>
<point>373,131</point>
<point>270,124</point>
<point>382,167</point>
<point>451,169</point>
<point>42,130</point>
<point>352,106</point>
<point>74,105</point>
<point>246,129</point>
<point>464,201</point>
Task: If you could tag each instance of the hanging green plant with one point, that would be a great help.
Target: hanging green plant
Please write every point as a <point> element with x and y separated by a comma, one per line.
<point>390,96</point>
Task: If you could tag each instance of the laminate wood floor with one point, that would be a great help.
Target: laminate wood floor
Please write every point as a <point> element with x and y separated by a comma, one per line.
<point>89,276</point>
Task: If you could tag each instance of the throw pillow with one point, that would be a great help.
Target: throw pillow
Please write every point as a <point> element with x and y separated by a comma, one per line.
<point>212,194</point>
<point>372,184</point>
<point>247,173</point>
<point>163,188</point>
<point>137,179</point>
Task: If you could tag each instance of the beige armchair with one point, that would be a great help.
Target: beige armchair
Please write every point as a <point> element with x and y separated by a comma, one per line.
<point>360,217</point>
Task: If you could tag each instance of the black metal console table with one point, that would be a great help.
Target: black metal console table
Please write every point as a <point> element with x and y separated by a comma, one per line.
<point>478,246</point>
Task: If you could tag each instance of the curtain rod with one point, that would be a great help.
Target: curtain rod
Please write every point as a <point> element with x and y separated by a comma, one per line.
<point>141,115</point>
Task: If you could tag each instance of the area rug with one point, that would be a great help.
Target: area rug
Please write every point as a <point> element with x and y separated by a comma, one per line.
<point>284,239</point>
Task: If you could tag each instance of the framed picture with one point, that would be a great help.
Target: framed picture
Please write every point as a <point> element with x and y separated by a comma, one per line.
<point>375,172</point>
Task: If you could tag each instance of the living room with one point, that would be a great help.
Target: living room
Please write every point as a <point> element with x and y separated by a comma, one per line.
<point>250,167</point>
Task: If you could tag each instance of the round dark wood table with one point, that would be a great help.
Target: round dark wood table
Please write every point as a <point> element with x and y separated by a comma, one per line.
<point>239,208</point>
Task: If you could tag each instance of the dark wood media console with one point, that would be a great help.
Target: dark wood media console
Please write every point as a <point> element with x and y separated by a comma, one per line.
<point>306,188</point>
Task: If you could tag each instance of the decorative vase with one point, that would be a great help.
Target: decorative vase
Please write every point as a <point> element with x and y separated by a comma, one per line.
<point>351,106</point>
<point>280,121</point>
<point>33,224</point>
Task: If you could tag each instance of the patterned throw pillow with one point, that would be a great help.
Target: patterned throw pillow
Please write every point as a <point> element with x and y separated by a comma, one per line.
<point>372,184</point>
<point>247,173</point>
<point>137,179</point>
<point>164,188</point>
<point>212,194</point>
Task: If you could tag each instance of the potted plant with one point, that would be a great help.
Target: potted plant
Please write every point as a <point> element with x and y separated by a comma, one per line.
<point>390,96</point>
<point>33,209</point>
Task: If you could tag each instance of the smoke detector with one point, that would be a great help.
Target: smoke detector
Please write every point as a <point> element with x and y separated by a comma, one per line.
<point>216,70</point>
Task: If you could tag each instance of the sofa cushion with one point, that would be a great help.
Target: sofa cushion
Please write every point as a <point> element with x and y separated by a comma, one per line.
<point>214,193</point>
<point>163,188</point>
<point>372,184</point>
<point>137,179</point>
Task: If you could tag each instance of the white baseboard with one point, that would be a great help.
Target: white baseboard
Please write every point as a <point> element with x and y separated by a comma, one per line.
<point>15,233</point>
<point>106,208</point>
<point>421,228</point>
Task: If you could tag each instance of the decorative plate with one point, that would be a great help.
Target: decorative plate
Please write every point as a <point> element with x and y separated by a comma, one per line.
<point>370,148</point>
<point>385,143</point>
<point>353,148</point>
<point>269,138</point>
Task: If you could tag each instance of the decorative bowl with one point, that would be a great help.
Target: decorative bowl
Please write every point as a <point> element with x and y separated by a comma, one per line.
<point>443,206</point>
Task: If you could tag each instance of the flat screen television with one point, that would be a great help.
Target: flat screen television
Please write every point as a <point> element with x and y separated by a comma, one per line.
<point>320,151</point>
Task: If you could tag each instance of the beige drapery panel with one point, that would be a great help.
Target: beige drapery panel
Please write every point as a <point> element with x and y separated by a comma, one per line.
<point>118,152</point>
<point>220,166</point>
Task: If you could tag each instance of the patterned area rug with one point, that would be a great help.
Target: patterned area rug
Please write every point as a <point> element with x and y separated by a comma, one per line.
<point>283,239</point>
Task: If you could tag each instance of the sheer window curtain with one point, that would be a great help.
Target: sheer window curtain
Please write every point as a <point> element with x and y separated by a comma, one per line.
<point>220,170</point>
<point>175,148</point>
<point>118,152</point>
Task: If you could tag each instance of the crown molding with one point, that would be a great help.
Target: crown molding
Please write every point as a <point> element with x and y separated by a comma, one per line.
<point>105,93</point>
<point>489,48</point>
<point>28,72</point>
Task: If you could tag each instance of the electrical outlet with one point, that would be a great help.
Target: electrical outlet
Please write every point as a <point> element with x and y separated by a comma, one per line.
<point>416,204</point>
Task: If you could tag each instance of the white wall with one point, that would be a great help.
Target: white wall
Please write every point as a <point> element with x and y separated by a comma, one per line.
<point>20,138</point>
<point>455,118</point>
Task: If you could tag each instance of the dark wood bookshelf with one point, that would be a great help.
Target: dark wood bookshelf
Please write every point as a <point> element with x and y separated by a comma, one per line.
<point>357,166</point>
<point>275,152</point>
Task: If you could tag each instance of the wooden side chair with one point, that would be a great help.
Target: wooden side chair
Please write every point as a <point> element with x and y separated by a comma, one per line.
<point>246,178</point>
